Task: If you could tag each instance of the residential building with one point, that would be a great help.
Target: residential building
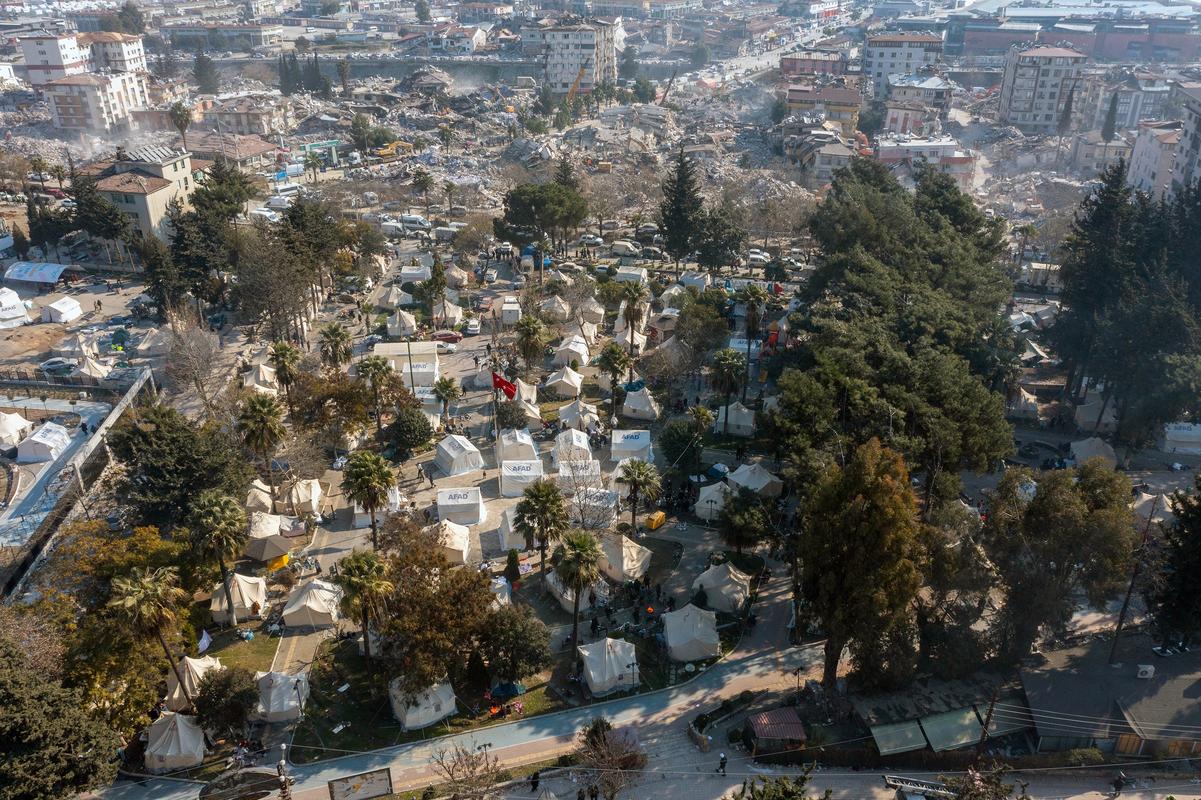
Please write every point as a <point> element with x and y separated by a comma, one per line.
<point>671,9</point>
<point>260,114</point>
<point>50,56</point>
<point>259,8</point>
<point>839,104</point>
<point>814,62</point>
<point>318,8</point>
<point>144,183</point>
<point>94,102</point>
<point>200,35</point>
<point>813,9</point>
<point>933,91</point>
<point>1091,154</point>
<point>1186,168</point>
<point>251,153</point>
<point>943,153</point>
<point>1151,159</point>
<point>908,116</point>
<point>470,13</point>
<point>114,52</point>
<point>887,54</point>
<point>1035,86</point>
<point>459,39</point>
<point>1141,96</point>
<point>583,50</point>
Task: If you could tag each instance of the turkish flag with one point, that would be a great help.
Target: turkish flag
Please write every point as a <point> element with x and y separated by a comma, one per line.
<point>510,389</point>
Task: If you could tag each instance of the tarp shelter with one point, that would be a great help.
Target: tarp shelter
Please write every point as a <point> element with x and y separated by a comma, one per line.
<point>281,697</point>
<point>742,420</point>
<point>630,275</point>
<point>640,405</point>
<point>631,444</point>
<point>757,479</point>
<point>726,588</point>
<point>672,295</point>
<point>593,508</point>
<point>579,415</point>
<point>1162,505</point>
<point>592,311</point>
<point>261,379</point>
<point>456,455</point>
<point>13,313</point>
<point>302,496</point>
<point>417,711</point>
<point>173,741</point>
<point>951,730</point>
<point>64,309</point>
<point>415,273</point>
<point>77,346</point>
<point>573,348</point>
<point>571,445</point>
<point>34,272</point>
<point>13,428</point>
<point>515,476</point>
<point>691,634</point>
<point>249,593</point>
<point>510,539</point>
<point>446,314</point>
<point>191,670</point>
<point>92,368</point>
<point>455,540</point>
<point>711,499</point>
<point>566,597</point>
<point>313,605</point>
<point>697,278</point>
<point>623,559</point>
<point>526,391</point>
<point>555,308</point>
<point>515,445</point>
<point>395,297</point>
<point>259,496</point>
<point>263,525</point>
<point>578,474</point>
<point>402,323</point>
<point>1024,406</point>
<point>502,592</point>
<point>463,505</point>
<point>899,737</point>
<point>610,665</point>
<point>631,341</point>
<point>1093,447</point>
<point>45,444</point>
<point>564,383</point>
<point>775,731</point>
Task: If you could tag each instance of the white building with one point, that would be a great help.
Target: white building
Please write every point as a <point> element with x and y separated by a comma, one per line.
<point>49,56</point>
<point>94,102</point>
<point>887,54</point>
<point>1152,158</point>
<point>1186,169</point>
<point>586,51</point>
<point>943,153</point>
<point>114,52</point>
<point>1036,85</point>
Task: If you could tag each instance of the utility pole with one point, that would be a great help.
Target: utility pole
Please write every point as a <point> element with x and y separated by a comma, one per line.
<point>992,704</point>
<point>1138,563</point>
<point>285,787</point>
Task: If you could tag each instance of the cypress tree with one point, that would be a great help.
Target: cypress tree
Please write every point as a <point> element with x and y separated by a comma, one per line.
<point>681,209</point>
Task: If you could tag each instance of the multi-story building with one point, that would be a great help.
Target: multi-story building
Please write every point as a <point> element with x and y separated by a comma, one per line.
<point>144,182</point>
<point>1091,153</point>
<point>908,116</point>
<point>470,13</point>
<point>260,114</point>
<point>933,91</point>
<point>887,54</point>
<point>943,153</point>
<point>50,56</point>
<point>259,8</point>
<point>114,52</point>
<point>96,102</point>
<point>200,34</point>
<point>1035,86</point>
<point>584,50</point>
<point>814,62</point>
<point>1186,168</point>
<point>839,104</point>
<point>1152,158</point>
<point>1141,96</point>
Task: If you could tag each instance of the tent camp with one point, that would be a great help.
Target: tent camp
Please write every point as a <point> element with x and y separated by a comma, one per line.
<point>711,499</point>
<point>417,711</point>
<point>155,343</point>
<point>261,379</point>
<point>76,346</point>
<point>631,341</point>
<point>313,605</point>
<point>1096,415</point>
<point>446,314</point>
<point>262,524</point>
<point>402,323</point>
<point>640,405</point>
<point>456,455</point>
<point>302,497</point>
<point>463,505</point>
<point>515,476</point>
<point>673,296</point>
<point>45,444</point>
<point>757,479</point>
<point>555,308</point>
<point>1093,447</point>
<point>13,313</point>
<point>173,741</point>
<point>576,475</point>
<point>620,323</point>
<point>395,297</point>
<point>92,368</point>
<point>191,670</point>
<point>64,309</point>
<point>742,420</point>
<point>610,665</point>
<point>591,311</point>
<point>593,507</point>
<point>13,428</point>
<point>525,391</point>
<point>579,415</point>
<point>566,597</point>
<point>691,634</point>
<point>623,559</point>
<point>585,330</point>
<point>502,592</point>
<point>573,348</point>
<point>1158,507</point>
<point>515,445</point>
<point>249,595</point>
<point>632,444</point>
<point>454,538</point>
<point>281,697</point>
<point>726,588</point>
<point>571,445</point>
<point>259,496</point>
<point>564,383</point>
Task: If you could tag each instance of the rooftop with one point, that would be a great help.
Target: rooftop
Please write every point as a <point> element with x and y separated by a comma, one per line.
<point>1052,52</point>
<point>898,37</point>
<point>132,182</point>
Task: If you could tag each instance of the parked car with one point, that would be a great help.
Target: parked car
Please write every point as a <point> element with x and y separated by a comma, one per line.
<point>447,336</point>
<point>591,240</point>
<point>57,366</point>
<point>490,276</point>
<point>447,347</point>
<point>472,328</point>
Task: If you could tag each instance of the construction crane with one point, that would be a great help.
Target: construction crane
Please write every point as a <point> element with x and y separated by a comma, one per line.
<point>579,76</point>
<point>670,83</point>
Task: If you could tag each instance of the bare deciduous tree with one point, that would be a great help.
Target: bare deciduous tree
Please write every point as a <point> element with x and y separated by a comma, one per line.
<point>614,756</point>
<point>194,359</point>
<point>468,774</point>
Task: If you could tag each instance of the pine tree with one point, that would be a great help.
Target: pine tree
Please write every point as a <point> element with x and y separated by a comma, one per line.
<point>204,72</point>
<point>285,77</point>
<point>1109,127</point>
<point>681,209</point>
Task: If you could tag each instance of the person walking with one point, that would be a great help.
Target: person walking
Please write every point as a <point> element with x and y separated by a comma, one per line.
<point>429,473</point>
<point>721,764</point>
<point>579,794</point>
<point>535,779</point>
<point>593,792</point>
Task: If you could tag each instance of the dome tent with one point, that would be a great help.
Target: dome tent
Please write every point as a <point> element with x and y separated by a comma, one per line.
<point>247,592</point>
<point>691,634</point>
<point>623,559</point>
<point>573,348</point>
<point>640,405</point>
<point>742,420</point>
<point>515,476</point>
<point>726,588</point>
<point>281,697</point>
<point>313,605</point>
<point>190,670</point>
<point>456,455</point>
<point>174,741</point>
<point>566,597</point>
<point>420,710</point>
<point>515,445</point>
<point>610,665</point>
<point>455,540</point>
<point>580,415</point>
<point>564,383</point>
<point>757,479</point>
<point>463,505</point>
<point>571,445</point>
<point>711,499</point>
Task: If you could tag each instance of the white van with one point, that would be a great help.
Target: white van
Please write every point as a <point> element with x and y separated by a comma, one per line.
<point>758,259</point>
<point>415,221</point>
<point>279,202</point>
<point>288,190</point>
<point>264,213</point>
<point>444,234</point>
<point>393,230</point>
<point>624,248</point>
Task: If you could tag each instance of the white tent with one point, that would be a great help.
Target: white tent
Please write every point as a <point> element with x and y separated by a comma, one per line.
<point>593,507</point>
<point>533,416</point>
<point>248,592</point>
<point>395,297</point>
<point>626,337</point>
<point>566,597</point>
<point>580,415</point>
<point>526,392</point>
<point>573,348</point>
<point>673,351</point>
<point>515,445</point>
<point>672,294</point>
<point>1025,405</point>
<point>632,444</point>
<point>711,499</point>
<point>261,379</point>
<point>13,428</point>
<point>191,670</point>
<point>630,275</point>
<point>571,445</point>
<point>313,605</point>
<point>263,524</point>
<point>259,496</point>
<point>757,479</point>
<point>622,558</point>
<point>417,711</point>
<point>592,311</point>
<point>402,323</point>
<point>510,539</point>
<point>415,273</point>
<point>726,588</point>
<point>515,476</point>
<point>585,330</point>
<point>742,420</point>
<point>64,309</point>
<point>701,280</point>
<point>13,313</point>
<point>454,538</point>
<point>281,696</point>
<point>76,346</point>
<point>455,276</point>
<point>155,343</point>
<point>610,665</point>
<point>1161,503</point>
<point>502,592</point>
<point>620,324</point>
<point>45,444</point>
<point>555,308</point>
<point>691,634</point>
<point>1085,449</point>
<point>579,474</point>
<point>174,741</point>
<point>92,368</point>
<point>446,314</point>
<point>565,383</point>
<point>303,496</point>
<point>456,455</point>
<point>462,506</point>
<point>640,405</point>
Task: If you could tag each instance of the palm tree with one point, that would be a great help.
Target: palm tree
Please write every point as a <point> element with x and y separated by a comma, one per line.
<point>634,295</point>
<point>755,297</point>
<point>614,361</point>
<point>335,345</point>
<point>702,421</point>
<point>375,370</point>
<point>181,118</point>
<point>312,163</point>
<point>261,424</point>
<point>447,136</point>
<point>449,188</point>
<point>284,358</point>
<point>728,367</point>
<point>447,390</point>
<point>363,578</point>
<point>644,482</point>
<point>38,165</point>
<point>577,563</point>
<point>218,525</point>
<point>344,76</point>
<point>366,480</point>
<point>423,182</point>
<point>147,600</point>
<point>1025,231</point>
<point>541,517</point>
<point>59,173</point>
<point>530,338</point>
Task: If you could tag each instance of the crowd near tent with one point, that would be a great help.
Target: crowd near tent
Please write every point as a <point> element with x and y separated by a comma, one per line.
<point>632,444</point>
<point>691,634</point>
<point>249,595</point>
<point>402,323</point>
<point>64,309</point>
<point>526,391</point>
<point>594,507</point>
<point>623,559</point>
<point>515,476</point>
<point>502,592</point>
<point>711,499</point>
<point>757,479</point>
<point>92,368</point>
<point>446,314</point>
<point>174,741</point>
<point>456,455</point>
<point>564,383</point>
<point>13,313</point>
<point>313,605</point>
<point>281,696</point>
<point>742,420</point>
<point>190,670</point>
<point>592,312</point>
<point>610,665</point>
<point>640,405</point>
<point>45,444</point>
<point>1094,447</point>
<point>455,540</point>
<point>726,588</point>
<point>417,711</point>
<point>571,445</point>
<point>13,428</point>
<point>303,496</point>
<point>509,537</point>
<point>259,497</point>
<point>566,597</point>
<point>515,445</point>
<point>555,308</point>
<point>579,415</point>
<point>577,474</point>
<point>463,505</point>
<point>573,348</point>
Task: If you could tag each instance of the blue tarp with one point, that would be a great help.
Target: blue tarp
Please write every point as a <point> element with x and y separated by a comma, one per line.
<point>34,272</point>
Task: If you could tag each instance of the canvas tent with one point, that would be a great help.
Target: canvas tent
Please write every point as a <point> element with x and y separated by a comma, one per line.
<point>515,445</point>
<point>415,273</point>
<point>632,444</point>
<point>455,540</point>
<point>573,348</point>
<point>632,341</point>
<point>742,420</point>
<point>155,343</point>
<point>402,323</point>
<point>579,415</point>
<point>564,383</point>
<point>757,479</point>
<point>92,368</point>
<point>591,311</point>
<point>417,711</point>
<point>691,634</point>
<point>395,297</point>
<point>584,330</point>
<point>507,530</point>
<point>533,416</point>
<point>261,379</point>
<point>263,524</point>
<point>555,308</point>
<point>13,313</point>
<point>571,445</point>
<point>566,597</point>
<point>515,476</point>
<point>620,323</point>
<point>64,309</point>
<point>446,314</point>
<point>1024,406</point>
<point>281,697</point>
<point>711,499</point>
<point>623,559</point>
<point>45,444</point>
<point>673,352</point>
<point>640,405</point>
<point>610,665</point>
<point>76,346</point>
<point>173,741</point>
<point>191,670</point>
<point>259,496</point>
<point>526,391</point>
<point>303,496</point>
<point>248,594</point>
<point>13,428</point>
<point>1093,447</point>
<point>1156,506</point>
<point>672,294</point>
<point>726,589</point>
<point>592,507</point>
<point>456,455</point>
<point>313,605</point>
<point>462,506</point>
<point>455,276</point>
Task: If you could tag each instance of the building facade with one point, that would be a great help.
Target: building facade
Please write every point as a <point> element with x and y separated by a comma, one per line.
<point>199,35</point>
<point>1153,156</point>
<point>1141,96</point>
<point>1186,168</point>
<point>251,115</point>
<point>114,52</point>
<point>943,153</point>
<point>1091,153</point>
<point>94,102</point>
<point>1035,86</point>
<point>838,103</point>
<point>586,51</point>
<point>50,56</point>
<point>887,54</point>
<point>933,91</point>
<point>144,183</point>
<point>814,62</point>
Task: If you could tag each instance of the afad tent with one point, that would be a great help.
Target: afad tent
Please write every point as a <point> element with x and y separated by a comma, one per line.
<point>249,594</point>
<point>313,605</point>
<point>463,505</point>
<point>13,313</point>
<point>711,499</point>
<point>13,428</point>
<point>566,597</point>
<point>564,383</point>
<point>454,538</point>
<point>610,665</point>
<point>757,479</point>
<point>640,405</point>
<point>555,308</point>
<point>623,559</point>
<point>515,476</point>
<point>281,696</point>
<point>576,475</point>
<point>573,348</point>
<point>571,445</point>
<point>742,420</point>
<point>592,312</point>
<point>259,497</point>
<point>402,323</point>
<point>191,670</point>
<point>691,634</point>
<point>593,508</point>
<point>515,445</point>
<point>446,314</point>
<point>45,444</point>
<point>456,455</point>
<point>64,309</point>
<point>579,415</point>
<point>726,589</point>
<point>525,391</point>
<point>174,741</point>
<point>632,444</point>
<point>417,711</point>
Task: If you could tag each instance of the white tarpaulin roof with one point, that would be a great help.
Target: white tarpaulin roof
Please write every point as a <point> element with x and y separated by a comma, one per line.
<point>632,444</point>
<point>455,540</point>
<point>281,696</point>
<point>456,455</point>
<point>34,272</point>
<point>45,444</point>
<point>174,741</point>
<point>610,665</point>
<point>247,590</point>
<point>671,293</point>
<point>12,309</point>
<point>1093,447</point>
<point>580,415</point>
<point>415,273</point>
<point>742,420</point>
<point>592,507</point>
<point>566,597</point>
<point>573,348</point>
<point>423,709</point>
<point>191,670</point>
<point>526,392</point>
<point>757,479</point>
<point>622,558</point>
<point>515,445</point>
<point>592,311</point>
<point>259,496</point>
<point>64,309</point>
<point>565,383</point>
<point>515,476</point>
<point>303,496</point>
<point>313,605</point>
<point>447,313</point>
<point>691,634</point>
<point>77,346</point>
<point>726,589</point>
<point>462,506</point>
<point>556,308</point>
<point>12,428</point>
<point>571,445</point>
<point>711,499</point>
<point>402,323</point>
<point>92,368</point>
<point>576,474</point>
<point>263,524</point>
<point>640,405</point>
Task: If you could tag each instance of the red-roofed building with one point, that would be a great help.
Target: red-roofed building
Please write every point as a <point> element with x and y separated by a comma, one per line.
<point>143,184</point>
